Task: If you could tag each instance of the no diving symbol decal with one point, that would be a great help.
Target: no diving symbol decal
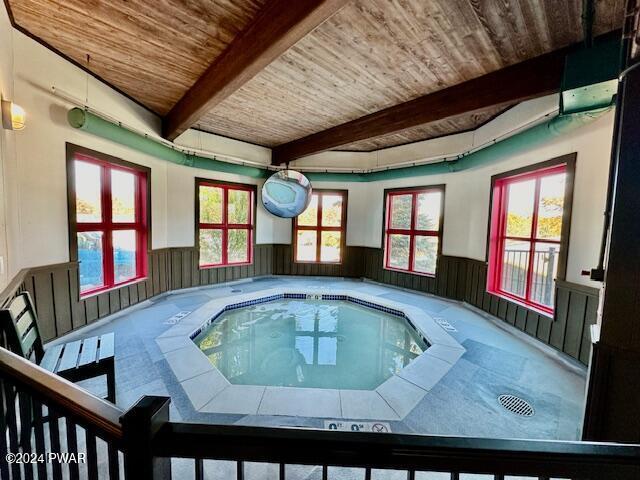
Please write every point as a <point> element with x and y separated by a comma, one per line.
<point>379,428</point>
<point>346,426</point>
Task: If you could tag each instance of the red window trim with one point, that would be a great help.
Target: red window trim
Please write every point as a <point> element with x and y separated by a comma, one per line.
<point>107,226</point>
<point>498,234</point>
<point>412,231</point>
<point>319,228</point>
<point>224,226</point>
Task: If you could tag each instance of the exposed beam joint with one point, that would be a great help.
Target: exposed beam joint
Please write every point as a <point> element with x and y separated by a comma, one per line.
<point>532,78</point>
<point>277,27</point>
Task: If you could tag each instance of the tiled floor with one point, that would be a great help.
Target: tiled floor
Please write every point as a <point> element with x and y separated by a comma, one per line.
<point>463,402</point>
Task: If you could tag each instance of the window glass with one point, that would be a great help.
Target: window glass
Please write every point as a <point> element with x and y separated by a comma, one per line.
<point>225,224</point>
<point>401,211</point>
<point>428,211</point>
<point>525,249</point>
<point>330,246</point>
<point>124,255</point>
<point>331,210</point>
<point>329,230</point>
<point>238,209</point>
<point>520,208</point>
<point>309,217</point>
<point>551,206</point>
<point>90,256</point>
<point>545,269</point>
<point>88,193</point>
<point>515,262</point>
<point>306,245</point>
<point>412,231</point>
<point>210,247</point>
<point>426,254</point>
<point>123,198</point>
<point>211,203</point>
<point>399,251</point>
<point>111,228</point>
<point>237,246</point>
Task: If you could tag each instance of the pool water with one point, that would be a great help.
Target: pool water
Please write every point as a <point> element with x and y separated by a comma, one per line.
<point>310,343</point>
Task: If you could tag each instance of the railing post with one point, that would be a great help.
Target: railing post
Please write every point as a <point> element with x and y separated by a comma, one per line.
<point>140,424</point>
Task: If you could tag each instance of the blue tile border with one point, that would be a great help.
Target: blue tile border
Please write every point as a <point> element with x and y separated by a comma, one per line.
<point>308,296</point>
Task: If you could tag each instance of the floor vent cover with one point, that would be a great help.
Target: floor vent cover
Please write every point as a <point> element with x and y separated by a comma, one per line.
<point>516,405</point>
<point>236,290</point>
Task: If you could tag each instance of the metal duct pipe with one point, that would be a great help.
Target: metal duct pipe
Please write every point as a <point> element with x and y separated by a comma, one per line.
<point>83,120</point>
<point>526,139</point>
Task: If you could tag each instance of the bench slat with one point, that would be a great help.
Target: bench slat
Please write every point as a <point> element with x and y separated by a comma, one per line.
<point>51,357</point>
<point>24,323</point>
<point>28,341</point>
<point>89,351</point>
<point>69,356</point>
<point>107,347</point>
<point>17,306</point>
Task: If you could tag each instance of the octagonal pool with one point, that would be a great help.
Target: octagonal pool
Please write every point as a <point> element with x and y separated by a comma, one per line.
<point>331,344</point>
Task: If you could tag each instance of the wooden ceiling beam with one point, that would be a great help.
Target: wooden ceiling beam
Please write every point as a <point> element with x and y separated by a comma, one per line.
<point>276,28</point>
<point>532,78</point>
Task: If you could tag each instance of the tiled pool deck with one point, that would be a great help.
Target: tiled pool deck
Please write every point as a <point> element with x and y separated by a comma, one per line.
<point>496,360</point>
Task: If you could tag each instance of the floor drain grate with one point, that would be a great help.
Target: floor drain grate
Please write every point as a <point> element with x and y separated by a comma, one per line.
<point>236,290</point>
<point>516,405</point>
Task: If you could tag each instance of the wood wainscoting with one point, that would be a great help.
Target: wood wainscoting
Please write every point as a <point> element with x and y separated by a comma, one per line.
<point>465,279</point>
<point>351,266</point>
<point>54,290</point>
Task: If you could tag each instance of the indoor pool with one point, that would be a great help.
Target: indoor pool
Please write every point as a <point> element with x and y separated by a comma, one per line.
<point>332,344</point>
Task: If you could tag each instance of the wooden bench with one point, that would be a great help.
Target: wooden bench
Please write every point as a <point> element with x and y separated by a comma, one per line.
<point>75,361</point>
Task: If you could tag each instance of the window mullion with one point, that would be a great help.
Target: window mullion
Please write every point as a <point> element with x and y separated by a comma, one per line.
<point>225,231</point>
<point>502,228</point>
<point>412,242</point>
<point>532,241</point>
<point>319,227</point>
<point>107,258</point>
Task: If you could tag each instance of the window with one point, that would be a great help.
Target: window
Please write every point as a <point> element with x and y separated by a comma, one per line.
<point>413,229</point>
<point>319,231</point>
<point>224,214</point>
<point>527,249</point>
<point>109,222</point>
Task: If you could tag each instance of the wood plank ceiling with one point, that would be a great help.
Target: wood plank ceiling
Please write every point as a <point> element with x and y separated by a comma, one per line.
<point>371,55</point>
<point>153,51</point>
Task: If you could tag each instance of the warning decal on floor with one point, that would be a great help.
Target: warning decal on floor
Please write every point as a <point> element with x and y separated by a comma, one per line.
<point>346,426</point>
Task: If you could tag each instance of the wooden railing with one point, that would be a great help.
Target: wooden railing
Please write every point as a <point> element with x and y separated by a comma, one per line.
<point>44,415</point>
<point>46,422</point>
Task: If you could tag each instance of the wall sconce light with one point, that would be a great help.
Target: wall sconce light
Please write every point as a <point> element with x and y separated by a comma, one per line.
<point>13,116</point>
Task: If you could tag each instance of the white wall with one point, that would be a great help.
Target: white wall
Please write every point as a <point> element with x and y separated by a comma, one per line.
<point>468,194</point>
<point>40,176</point>
<point>181,205</point>
<point>41,172</point>
<point>8,234</point>
<point>36,173</point>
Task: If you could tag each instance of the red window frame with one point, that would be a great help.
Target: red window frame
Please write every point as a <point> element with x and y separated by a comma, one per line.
<point>498,236</point>
<point>412,232</point>
<point>224,226</point>
<point>319,228</point>
<point>107,226</point>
